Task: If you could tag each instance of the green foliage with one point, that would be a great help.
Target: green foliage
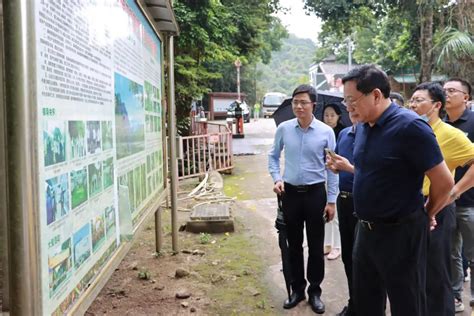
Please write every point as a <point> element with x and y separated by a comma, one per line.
<point>336,13</point>
<point>158,254</point>
<point>454,45</point>
<point>455,51</point>
<point>204,238</point>
<point>383,32</point>
<point>261,304</point>
<point>272,40</point>
<point>213,34</point>
<point>144,275</point>
<point>380,34</point>
<point>288,67</point>
<point>397,34</point>
<point>387,41</point>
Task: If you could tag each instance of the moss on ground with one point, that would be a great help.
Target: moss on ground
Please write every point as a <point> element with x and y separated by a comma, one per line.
<point>235,186</point>
<point>238,185</point>
<point>230,272</point>
<point>236,272</point>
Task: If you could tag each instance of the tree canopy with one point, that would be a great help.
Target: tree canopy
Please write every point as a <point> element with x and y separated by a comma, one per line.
<point>400,35</point>
<point>287,68</point>
<point>214,33</point>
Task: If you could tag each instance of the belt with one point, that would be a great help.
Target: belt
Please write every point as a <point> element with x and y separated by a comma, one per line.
<point>302,188</point>
<point>389,222</point>
<point>345,195</point>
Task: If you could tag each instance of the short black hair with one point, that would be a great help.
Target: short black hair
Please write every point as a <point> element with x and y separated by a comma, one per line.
<point>369,77</point>
<point>397,96</point>
<point>306,88</point>
<point>436,93</point>
<point>463,83</point>
<point>335,107</point>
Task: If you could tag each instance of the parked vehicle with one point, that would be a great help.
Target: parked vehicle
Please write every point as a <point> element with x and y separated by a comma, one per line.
<point>271,101</point>
<point>245,110</point>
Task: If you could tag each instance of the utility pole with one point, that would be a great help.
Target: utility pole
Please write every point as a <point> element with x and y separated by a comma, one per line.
<point>255,82</point>
<point>172,146</point>
<point>237,65</point>
<point>349,52</point>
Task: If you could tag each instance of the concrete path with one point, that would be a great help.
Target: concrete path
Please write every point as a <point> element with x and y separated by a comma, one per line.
<point>256,208</point>
<point>258,211</point>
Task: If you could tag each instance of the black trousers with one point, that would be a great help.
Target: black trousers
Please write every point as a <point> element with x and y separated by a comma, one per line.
<point>347,225</point>
<point>439,292</point>
<point>391,258</point>
<point>300,209</point>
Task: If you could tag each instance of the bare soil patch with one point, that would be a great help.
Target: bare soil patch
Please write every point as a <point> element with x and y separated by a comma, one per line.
<point>219,274</point>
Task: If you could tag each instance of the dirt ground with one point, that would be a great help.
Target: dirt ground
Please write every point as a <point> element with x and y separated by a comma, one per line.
<point>223,273</point>
<point>238,274</point>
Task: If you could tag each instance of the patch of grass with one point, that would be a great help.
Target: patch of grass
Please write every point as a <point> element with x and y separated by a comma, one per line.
<point>234,262</point>
<point>158,254</point>
<point>235,186</point>
<point>261,304</point>
<point>204,238</point>
<point>166,229</point>
<point>144,275</point>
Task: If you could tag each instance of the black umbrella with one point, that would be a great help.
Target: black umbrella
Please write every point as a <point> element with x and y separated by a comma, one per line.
<point>280,225</point>
<point>285,112</point>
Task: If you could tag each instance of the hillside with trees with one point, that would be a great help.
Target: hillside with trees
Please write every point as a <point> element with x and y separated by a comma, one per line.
<point>287,68</point>
<point>418,37</point>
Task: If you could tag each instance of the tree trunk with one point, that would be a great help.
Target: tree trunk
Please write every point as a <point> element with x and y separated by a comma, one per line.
<point>464,17</point>
<point>425,11</point>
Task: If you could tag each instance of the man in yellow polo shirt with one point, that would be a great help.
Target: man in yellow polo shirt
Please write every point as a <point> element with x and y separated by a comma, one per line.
<point>428,101</point>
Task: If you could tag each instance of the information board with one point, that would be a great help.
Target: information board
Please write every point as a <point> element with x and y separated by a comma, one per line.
<point>222,105</point>
<point>99,91</point>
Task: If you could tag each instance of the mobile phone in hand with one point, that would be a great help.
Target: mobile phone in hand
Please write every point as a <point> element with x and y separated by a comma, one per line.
<point>329,152</point>
<point>325,217</point>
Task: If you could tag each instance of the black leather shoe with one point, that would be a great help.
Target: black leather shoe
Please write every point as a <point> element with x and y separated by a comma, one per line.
<point>316,304</point>
<point>294,299</point>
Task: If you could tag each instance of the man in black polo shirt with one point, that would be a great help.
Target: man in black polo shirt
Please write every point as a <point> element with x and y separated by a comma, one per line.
<point>458,92</point>
<point>390,160</point>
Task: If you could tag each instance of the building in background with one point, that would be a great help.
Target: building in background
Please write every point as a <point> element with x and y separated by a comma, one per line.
<point>327,75</point>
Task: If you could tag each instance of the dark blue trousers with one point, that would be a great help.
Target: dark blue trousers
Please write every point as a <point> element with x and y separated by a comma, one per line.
<point>391,259</point>
<point>347,225</point>
<point>439,292</point>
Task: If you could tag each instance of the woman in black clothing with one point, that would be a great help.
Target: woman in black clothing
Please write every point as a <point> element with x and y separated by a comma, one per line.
<point>332,116</point>
<point>332,238</point>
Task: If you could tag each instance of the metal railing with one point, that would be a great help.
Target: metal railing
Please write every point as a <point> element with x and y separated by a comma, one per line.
<point>209,150</point>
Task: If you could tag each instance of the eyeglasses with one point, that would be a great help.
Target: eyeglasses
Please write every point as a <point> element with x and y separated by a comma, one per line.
<point>351,102</point>
<point>418,101</point>
<point>453,90</point>
<point>303,103</point>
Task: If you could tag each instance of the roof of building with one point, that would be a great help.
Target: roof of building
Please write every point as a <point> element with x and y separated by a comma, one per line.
<point>333,68</point>
<point>163,16</point>
<point>414,78</point>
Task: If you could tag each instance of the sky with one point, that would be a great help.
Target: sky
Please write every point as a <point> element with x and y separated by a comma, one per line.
<point>297,22</point>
